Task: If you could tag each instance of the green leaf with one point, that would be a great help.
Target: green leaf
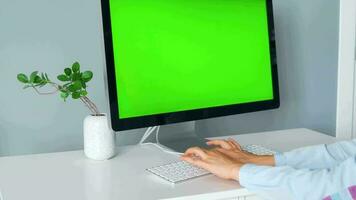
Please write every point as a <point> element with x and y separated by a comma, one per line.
<point>84,85</point>
<point>75,95</point>
<point>71,88</point>
<point>76,76</point>
<point>76,67</point>
<point>37,79</point>
<point>77,85</point>
<point>64,95</point>
<point>87,76</point>
<point>65,86</point>
<point>63,77</point>
<point>47,77</point>
<point>63,90</point>
<point>68,71</point>
<point>43,76</point>
<point>43,82</point>
<point>84,93</point>
<point>22,78</point>
<point>74,87</point>
<point>33,76</point>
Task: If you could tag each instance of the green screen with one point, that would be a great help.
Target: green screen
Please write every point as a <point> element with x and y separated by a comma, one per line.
<point>179,55</point>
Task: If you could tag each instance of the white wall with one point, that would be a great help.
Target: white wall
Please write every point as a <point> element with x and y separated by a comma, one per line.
<point>49,35</point>
<point>346,111</point>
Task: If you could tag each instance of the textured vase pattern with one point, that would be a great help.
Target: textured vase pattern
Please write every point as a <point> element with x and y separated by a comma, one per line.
<point>99,139</point>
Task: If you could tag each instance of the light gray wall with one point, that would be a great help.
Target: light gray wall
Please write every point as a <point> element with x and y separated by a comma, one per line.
<point>48,35</point>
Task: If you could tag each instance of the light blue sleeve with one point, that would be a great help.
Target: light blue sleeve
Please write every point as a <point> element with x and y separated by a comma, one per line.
<point>317,157</point>
<point>302,184</point>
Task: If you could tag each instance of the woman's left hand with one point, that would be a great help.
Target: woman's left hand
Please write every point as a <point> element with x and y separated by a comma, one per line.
<point>213,161</point>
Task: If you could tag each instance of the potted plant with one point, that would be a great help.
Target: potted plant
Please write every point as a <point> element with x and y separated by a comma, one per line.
<point>99,139</point>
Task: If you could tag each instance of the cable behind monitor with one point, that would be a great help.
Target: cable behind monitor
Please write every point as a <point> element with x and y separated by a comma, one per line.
<point>148,132</point>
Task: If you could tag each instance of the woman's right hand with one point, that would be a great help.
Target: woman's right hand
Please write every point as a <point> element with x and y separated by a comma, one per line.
<point>229,144</point>
<point>233,149</point>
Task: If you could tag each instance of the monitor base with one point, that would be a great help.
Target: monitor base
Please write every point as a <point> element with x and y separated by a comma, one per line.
<point>183,144</point>
<point>180,137</point>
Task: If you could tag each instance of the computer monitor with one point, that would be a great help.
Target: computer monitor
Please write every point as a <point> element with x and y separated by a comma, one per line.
<point>170,61</point>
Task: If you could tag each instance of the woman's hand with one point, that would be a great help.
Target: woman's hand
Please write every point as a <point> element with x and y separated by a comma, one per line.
<point>225,160</point>
<point>232,149</point>
<point>229,144</point>
<point>213,161</point>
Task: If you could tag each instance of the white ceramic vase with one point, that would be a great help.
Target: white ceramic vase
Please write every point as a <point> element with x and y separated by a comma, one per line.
<point>99,139</point>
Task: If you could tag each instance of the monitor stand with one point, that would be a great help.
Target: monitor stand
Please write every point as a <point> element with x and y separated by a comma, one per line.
<point>179,137</point>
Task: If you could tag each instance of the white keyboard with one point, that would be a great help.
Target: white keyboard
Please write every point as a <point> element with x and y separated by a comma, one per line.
<point>258,150</point>
<point>180,171</point>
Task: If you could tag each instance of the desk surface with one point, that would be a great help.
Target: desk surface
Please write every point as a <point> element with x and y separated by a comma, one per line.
<point>70,176</point>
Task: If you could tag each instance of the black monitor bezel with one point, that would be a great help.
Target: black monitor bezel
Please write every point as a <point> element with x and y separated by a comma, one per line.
<point>182,116</point>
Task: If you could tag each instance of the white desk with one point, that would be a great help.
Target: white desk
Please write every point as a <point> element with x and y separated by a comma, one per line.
<point>70,176</point>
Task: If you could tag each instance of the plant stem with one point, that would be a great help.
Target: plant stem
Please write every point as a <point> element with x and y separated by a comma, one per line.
<point>88,105</point>
<point>45,93</point>
<point>92,105</point>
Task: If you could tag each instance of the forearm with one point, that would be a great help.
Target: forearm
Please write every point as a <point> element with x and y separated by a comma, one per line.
<point>310,158</point>
<point>303,183</point>
<point>261,160</point>
<point>317,157</point>
<point>313,157</point>
<point>258,160</point>
<point>248,158</point>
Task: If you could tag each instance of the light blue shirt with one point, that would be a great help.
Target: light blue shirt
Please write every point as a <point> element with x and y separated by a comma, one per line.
<point>312,173</point>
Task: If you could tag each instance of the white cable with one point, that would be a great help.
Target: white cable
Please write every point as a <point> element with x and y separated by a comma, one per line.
<point>157,144</point>
<point>148,131</point>
<point>147,134</point>
<point>157,132</point>
<point>163,149</point>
